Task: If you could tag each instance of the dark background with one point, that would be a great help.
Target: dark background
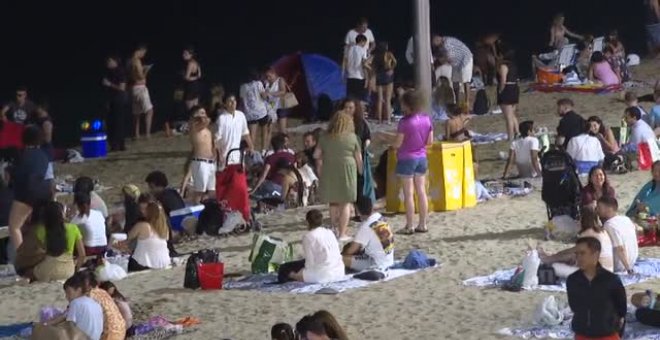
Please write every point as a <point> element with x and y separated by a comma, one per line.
<point>56,48</point>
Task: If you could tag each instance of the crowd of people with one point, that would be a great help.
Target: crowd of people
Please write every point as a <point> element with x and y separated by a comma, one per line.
<point>51,241</point>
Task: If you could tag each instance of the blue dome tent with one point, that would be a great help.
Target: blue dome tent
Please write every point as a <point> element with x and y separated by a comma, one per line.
<point>314,79</point>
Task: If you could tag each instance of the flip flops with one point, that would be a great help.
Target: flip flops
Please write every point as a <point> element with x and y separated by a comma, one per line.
<point>406,231</point>
<point>421,230</point>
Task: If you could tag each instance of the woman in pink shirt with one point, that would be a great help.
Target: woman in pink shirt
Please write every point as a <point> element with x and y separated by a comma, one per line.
<point>414,133</point>
<point>601,71</point>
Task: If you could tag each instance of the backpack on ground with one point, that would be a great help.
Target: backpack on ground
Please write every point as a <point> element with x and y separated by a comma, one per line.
<point>191,278</point>
<point>211,218</point>
<point>547,275</point>
<point>481,103</point>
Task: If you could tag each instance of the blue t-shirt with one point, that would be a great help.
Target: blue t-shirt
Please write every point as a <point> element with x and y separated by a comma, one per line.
<point>654,117</point>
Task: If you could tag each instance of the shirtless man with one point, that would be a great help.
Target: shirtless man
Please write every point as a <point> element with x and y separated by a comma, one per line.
<point>141,100</point>
<point>203,165</point>
<point>456,127</point>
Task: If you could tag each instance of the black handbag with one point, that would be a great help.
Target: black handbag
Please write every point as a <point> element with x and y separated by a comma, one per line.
<point>547,276</point>
<point>191,279</point>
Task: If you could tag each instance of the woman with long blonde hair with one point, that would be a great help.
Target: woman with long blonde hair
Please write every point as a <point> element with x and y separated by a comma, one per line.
<point>339,161</point>
<point>152,234</point>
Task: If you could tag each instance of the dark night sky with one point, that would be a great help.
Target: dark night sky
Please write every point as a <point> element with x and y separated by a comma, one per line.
<point>56,48</point>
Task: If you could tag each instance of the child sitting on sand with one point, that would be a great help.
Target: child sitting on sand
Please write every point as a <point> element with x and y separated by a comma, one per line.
<point>83,311</point>
<point>524,152</point>
<point>114,326</point>
<point>648,299</point>
<point>456,127</point>
<point>121,301</point>
<point>373,245</point>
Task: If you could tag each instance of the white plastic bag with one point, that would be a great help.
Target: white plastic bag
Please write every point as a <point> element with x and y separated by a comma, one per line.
<point>110,272</point>
<point>232,220</point>
<point>548,313</point>
<point>530,265</point>
<point>563,228</point>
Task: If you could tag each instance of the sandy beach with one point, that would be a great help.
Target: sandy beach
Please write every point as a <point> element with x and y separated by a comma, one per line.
<point>432,304</point>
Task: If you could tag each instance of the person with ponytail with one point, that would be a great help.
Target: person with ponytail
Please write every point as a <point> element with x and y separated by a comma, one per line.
<point>91,224</point>
<point>647,200</point>
<point>59,240</point>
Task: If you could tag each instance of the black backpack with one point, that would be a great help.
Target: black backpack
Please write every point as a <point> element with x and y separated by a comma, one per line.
<point>481,103</point>
<point>211,218</point>
<point>191,280</point>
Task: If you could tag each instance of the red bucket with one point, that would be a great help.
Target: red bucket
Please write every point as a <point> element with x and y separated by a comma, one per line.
<point>210,275</point>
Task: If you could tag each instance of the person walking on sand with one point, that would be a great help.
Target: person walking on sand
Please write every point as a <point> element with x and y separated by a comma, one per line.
<point>202,168</point>
<point>141,101</point>
<point>596,296</point>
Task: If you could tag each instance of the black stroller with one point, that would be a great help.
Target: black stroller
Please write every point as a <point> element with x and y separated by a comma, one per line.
<point>561,185</point>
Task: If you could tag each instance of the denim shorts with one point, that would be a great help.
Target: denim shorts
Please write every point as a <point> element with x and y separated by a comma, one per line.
<point>412,167</point>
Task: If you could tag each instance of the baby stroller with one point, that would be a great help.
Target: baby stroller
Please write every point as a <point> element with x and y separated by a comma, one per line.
<point>561,185</point>
<point>231,190</point>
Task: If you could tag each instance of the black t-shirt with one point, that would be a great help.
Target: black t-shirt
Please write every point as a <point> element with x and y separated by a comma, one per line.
<point>29,175</point>
<point>170,200</point>
<point>363,132</point>
<point>570,125</point>
<point>116,76</point>
<point>20,113</point>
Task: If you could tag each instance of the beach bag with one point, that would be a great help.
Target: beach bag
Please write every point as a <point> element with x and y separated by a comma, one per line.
<point>63,331</point>
<point>548,313</point>
<point>268,253</point>
<point>481,103</point>
<point>530,267</point>
<point>109,272</point>
<point>231,186</point>
<point>289,100</point>
<point>191,278</point>
<point>547,276</point>
<point>211,218</point>
<point>644,157</point>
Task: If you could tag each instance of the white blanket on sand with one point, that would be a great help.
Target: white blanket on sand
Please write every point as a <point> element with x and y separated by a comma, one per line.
<point>268,283</point>
<point>634,330</point>
<point>645,269</point>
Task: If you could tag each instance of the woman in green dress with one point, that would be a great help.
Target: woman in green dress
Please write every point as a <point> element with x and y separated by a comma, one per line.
<point>339,161</point>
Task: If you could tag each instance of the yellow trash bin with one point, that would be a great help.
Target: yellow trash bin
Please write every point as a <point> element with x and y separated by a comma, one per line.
<point>394,190</point>
<point>446,172</point>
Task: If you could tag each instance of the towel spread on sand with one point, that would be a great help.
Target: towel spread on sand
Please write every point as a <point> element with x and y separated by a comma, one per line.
<point>268,283</point>
<point>587,88</point>
<point>645,269</point>
<point>634,330</point>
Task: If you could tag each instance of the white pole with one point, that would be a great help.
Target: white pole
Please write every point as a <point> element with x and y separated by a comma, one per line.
<point>422,44</point>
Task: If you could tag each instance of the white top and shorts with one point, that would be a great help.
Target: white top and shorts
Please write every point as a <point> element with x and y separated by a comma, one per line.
<point>523,148</point>
<point>623,233</point>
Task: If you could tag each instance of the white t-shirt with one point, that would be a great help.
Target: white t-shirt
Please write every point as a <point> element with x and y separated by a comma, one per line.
<point>352,35</point>
<point>623,234</point>
<point>230,131</point>
<point>585,148</point>
<point>641,132</point>
<point>323,261</point>
<point>372,244</point>
<point>92,227</point>
<point>253,103</point>
<point>523,148</point>
<point>606,258</point>
<point>354,66</point>
<point>87,315</point>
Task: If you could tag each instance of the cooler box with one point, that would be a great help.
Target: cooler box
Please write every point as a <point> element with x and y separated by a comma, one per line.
<point>394,190</point>
<point>94,145</point>
<point>179,217</point>
<point>548,76</point>
<point>446,172</point>
<point>469,186</point>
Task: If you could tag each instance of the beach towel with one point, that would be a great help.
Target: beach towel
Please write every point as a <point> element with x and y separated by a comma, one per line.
<point>634,330</point>
<point>14,329</point>
<point>487,138</point>
<point>266,283</point>
<point>585,88</point>
<point>368,189</point>
<point>645,269</point>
